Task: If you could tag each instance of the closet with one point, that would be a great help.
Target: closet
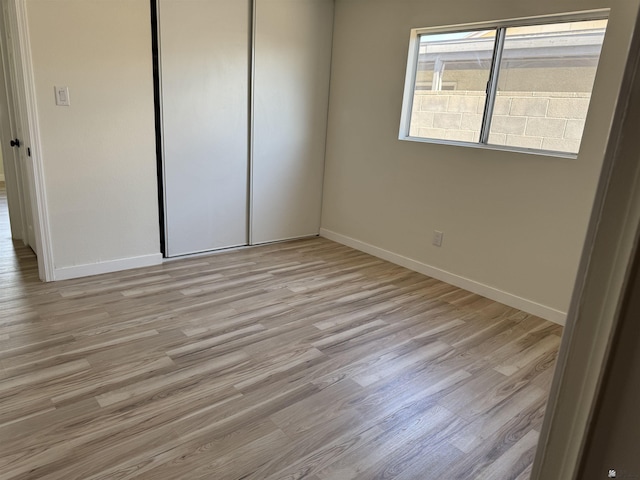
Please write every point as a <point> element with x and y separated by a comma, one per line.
<point>244,89</point>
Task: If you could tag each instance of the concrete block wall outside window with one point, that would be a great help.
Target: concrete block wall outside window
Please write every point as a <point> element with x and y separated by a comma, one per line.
<point>540,120</point>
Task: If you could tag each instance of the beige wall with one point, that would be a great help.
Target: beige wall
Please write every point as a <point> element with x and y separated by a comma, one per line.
<point>99,153</point>
<point>1,167</point>
<point>512,221</point>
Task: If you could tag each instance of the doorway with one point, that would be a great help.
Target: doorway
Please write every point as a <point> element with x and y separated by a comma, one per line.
<point>23,192</point>
<point>14,230</point>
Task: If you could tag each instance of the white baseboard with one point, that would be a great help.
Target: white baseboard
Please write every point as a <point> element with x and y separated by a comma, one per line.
<point>66,273</point>
<point>548,313</point>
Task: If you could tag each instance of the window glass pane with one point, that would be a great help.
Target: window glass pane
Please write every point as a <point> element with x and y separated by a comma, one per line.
<point>544,85</point>
<point>451,80</point>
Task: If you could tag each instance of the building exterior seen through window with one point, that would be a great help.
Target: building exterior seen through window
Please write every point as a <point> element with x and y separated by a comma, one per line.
<point>520,87</point>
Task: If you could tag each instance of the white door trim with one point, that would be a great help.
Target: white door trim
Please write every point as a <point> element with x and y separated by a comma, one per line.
<point>39,197</point>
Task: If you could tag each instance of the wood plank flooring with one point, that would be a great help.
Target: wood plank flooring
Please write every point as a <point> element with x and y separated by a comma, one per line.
<point>300,360</point>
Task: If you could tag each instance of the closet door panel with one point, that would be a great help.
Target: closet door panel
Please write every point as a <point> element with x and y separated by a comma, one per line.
<point>291,90</point>
<point>204,63</point>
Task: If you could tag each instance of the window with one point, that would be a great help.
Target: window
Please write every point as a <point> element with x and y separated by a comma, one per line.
<point>517,85</point>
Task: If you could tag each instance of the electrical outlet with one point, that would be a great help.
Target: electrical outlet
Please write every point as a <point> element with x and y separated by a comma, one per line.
<point>437,238</point>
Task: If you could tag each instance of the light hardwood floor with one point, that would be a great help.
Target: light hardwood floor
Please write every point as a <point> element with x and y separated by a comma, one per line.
<point>300,360</point>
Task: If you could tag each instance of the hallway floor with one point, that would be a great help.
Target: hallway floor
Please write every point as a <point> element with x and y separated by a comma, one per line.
<point>17,261</point>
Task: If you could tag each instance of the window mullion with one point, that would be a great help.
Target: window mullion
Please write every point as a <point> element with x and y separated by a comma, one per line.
<point>492,85</point>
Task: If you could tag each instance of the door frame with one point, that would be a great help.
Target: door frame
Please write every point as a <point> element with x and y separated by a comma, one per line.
<point>603,280</point>
<point>17,12</point>
<point>18,127</point>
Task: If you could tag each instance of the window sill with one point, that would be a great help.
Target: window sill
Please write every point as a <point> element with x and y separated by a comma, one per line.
<point>502,148</point>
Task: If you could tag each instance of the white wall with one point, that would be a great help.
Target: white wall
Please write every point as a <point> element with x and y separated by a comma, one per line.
<point>99,153</point>
<point>513,222</point>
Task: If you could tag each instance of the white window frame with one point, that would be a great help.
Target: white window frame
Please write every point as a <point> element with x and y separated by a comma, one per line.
<point>412,70</point>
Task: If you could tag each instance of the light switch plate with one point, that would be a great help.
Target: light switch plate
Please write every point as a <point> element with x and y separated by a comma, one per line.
<point>62,96</point>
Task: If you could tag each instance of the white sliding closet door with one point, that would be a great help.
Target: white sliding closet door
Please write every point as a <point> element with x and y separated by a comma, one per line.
<point>292,42</point>
<point>204,62</point>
